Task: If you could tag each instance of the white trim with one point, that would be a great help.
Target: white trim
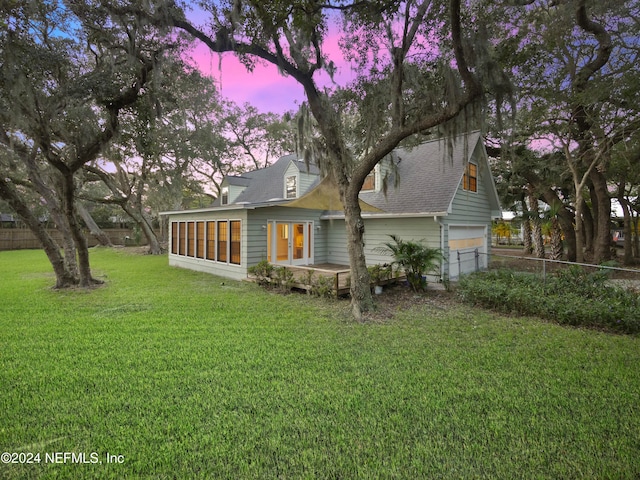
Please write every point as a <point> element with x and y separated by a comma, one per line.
<point>340,216</point>
<point>308,245</point>
<point>296,177</point>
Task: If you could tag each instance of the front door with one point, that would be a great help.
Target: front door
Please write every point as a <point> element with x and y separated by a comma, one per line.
<point>290,242</point>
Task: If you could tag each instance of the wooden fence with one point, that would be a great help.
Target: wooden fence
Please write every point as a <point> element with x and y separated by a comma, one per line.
<point>22,238</point>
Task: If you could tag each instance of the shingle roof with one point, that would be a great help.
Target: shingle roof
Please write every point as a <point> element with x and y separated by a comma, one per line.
<point>429,175</point>
<point>267,184</point>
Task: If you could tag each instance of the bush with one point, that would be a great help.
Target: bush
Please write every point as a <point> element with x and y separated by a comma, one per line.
<point>283,278</point>
<point>571,297</point>
<point>263,272</point>
<point>414,258</point>
<point>322,286</point>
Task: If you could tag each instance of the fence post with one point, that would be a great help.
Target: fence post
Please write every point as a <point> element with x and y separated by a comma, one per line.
<point>477,260</point>
<point>459,265</point>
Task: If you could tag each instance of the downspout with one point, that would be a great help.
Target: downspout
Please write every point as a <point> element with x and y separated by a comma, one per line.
<point>442,229</point>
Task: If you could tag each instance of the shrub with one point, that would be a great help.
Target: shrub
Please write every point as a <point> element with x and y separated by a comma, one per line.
<point>283,278</point>
<point>263,272</point>
<point>414,258</point>
<point>322,286</point>
<point>571,297</point>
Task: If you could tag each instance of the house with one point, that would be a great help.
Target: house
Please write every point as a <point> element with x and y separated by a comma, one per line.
<point>7,220</point>
<point>288,214</point>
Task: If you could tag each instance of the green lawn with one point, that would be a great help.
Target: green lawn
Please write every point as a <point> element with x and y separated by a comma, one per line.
<point>185,376</point>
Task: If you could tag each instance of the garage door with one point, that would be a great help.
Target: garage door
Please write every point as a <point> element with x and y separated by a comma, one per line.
<point>463,243</point>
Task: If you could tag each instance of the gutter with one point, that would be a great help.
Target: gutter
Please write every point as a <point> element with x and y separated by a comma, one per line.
<point>340,216</point>
<point>223,208</point>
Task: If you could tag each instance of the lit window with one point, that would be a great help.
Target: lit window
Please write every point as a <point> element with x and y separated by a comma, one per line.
<point>211,240</point>
<point>182,238</point>
<point>200,239</point>
<point>234,245</point>
<point>470,179</point>
<point>224,194</point>
<point>191,239</point>
<point>174,238</point>
<point>222,241</point>
<point>291,186</point>
<point>369,182</point>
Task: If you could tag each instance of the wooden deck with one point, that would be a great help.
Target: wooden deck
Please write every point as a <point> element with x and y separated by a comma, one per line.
<point>341,275</point>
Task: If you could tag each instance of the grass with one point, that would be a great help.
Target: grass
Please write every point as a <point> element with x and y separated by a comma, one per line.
<point>189,376</point>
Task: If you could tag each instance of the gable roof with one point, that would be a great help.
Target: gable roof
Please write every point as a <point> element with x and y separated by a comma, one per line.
<point>266,184</point>
<point>429,175</point>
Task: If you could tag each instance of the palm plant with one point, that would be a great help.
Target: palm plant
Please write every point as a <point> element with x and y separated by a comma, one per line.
<point>414,258</point>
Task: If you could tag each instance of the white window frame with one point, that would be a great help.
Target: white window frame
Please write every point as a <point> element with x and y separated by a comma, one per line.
<point>286,186</point>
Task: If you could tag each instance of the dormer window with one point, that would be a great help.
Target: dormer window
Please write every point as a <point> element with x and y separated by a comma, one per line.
<point>470,179</point>
<point>370,181</point>
<point>224,196</point>
<point>291,186</point>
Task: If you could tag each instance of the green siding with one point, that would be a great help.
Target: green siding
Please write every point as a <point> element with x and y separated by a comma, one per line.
<point>423,229</point>
<point>471,208</point>
<point>256,239</point>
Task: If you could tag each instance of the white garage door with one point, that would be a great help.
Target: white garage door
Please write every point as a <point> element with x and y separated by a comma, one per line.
<point>463,243</point>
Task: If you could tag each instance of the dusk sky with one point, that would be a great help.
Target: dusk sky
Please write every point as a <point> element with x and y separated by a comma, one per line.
<point>264,88</point>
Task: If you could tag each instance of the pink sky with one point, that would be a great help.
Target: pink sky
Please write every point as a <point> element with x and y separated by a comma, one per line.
<point>264,88</point>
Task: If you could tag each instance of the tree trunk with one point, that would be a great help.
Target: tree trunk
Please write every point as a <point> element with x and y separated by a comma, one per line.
<point>627,257</point>
<point>601,199</point>
<point>93,227</point>
<point>556,239</point>
<point>147,230</point>
<point>64,278</point>
<point>526,229</point>
<point>579,229</point>
<point>538,241</point>
<point>51,190</point>
<point>587,228</point>
<point>636,237</point>
<point>68,202</point>
<point>361,299</point>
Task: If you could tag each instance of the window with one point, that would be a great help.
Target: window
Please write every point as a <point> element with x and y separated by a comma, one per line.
<point>224,196</point>
<point>216,240</point>
<point>470,179</point>
<point>222,241</point>
<point>234,246</point>
<point>174,237</point>
<point>369,182</point>
<point>200,239</point>
<point>191,239</point>
<point>291,187</point>
<point>182,238</point>
<point>211,240</point>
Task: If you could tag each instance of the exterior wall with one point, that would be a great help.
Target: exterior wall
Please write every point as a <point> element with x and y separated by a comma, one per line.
<point>256,238</point>
<point>471,209</point>
<point>234,192</point>
<point>377,231</point>
<point>304,180</point>
<point>223,269</point>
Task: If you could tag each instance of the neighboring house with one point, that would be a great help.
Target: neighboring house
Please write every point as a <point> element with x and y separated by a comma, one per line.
<point>7,221</point>
<point>287,214</point>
